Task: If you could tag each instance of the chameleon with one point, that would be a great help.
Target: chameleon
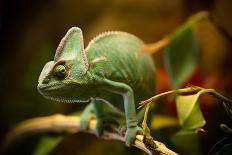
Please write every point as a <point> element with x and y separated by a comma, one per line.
<point>111,73</point>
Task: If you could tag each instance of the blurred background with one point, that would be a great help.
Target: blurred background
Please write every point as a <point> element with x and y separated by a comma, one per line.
<point>30,32</point>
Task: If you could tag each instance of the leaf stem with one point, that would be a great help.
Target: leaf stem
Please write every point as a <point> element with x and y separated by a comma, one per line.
<point>157,46</point>
<point>221,97</point>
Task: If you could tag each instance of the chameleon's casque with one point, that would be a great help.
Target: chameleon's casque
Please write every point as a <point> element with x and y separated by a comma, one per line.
<point>111,70</point>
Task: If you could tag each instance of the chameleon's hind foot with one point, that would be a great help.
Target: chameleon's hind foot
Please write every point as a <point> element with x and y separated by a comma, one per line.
<point>101,122</point>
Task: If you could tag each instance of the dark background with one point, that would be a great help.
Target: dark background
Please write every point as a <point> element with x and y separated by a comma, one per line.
<point>30,31</point>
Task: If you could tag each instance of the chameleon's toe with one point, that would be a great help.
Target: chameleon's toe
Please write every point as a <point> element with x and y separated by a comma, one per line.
<point>131,134</point>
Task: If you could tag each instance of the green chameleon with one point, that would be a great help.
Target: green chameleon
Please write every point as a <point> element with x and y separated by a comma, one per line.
<point>110,73</point>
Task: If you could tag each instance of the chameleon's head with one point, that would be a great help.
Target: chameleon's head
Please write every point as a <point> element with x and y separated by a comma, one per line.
<point>64,79</point>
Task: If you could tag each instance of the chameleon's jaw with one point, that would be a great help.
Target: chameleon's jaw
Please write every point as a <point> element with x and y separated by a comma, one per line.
<point>60,98</point>
<point>56,93</point>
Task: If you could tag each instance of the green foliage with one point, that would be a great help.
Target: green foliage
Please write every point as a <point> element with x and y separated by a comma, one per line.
<point>181,54</point>
<point>47,144</point>
<point>189,112</point>
<point>190,118</point>
<point>181,59</point>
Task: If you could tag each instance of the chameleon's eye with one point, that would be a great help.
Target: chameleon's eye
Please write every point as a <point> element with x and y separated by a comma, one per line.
<point>60,71</point>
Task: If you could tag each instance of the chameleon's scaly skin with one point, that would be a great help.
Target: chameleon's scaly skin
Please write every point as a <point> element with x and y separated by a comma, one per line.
<point>111,69</point>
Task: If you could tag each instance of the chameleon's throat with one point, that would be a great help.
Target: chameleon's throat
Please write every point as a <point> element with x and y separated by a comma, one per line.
<point>66,100</point>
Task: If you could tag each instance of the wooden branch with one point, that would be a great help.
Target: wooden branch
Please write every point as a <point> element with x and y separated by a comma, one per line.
<point>59,123</point>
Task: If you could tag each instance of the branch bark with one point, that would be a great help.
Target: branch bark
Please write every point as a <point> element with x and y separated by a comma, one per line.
<point>59,123</point>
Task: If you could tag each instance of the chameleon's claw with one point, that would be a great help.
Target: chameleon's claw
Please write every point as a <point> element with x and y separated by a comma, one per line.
<point>131,134</point>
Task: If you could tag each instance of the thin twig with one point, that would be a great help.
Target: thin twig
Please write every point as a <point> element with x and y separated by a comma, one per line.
<point>60,123</point>
<point>191,89</point>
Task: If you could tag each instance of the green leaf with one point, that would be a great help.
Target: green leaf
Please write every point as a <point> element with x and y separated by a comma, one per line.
<point>47,144</point>
<point>189,112</point>
<point>181,55</point>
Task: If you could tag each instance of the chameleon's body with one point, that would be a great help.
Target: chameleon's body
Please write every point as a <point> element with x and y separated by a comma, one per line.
<point>111,69</point>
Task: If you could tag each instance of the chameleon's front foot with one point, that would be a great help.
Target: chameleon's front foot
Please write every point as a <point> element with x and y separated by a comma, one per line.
<point>131,134</point>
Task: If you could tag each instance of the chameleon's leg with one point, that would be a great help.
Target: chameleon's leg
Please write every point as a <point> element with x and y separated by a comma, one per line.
<point>129,107</point>
<point>86,115</point>
<point>101,110</point>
